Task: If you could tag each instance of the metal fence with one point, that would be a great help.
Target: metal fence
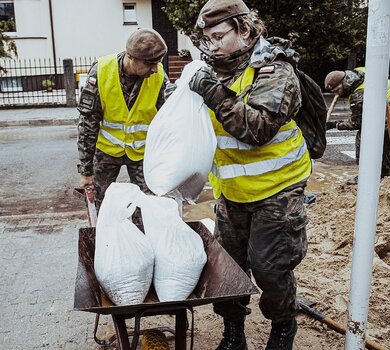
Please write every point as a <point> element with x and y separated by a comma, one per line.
<point>40,82</point>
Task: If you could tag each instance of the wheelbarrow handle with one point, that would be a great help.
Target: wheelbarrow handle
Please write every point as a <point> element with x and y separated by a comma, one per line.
<point>90,199</point>
<point>87,195</point>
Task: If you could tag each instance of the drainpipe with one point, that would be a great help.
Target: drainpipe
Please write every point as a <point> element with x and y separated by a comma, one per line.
<point>373,124</point>
<point>53,42</point>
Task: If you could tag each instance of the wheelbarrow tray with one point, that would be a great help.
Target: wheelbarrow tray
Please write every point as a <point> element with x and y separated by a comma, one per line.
<point>221,279</point>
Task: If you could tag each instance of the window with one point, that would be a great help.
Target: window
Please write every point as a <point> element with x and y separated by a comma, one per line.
<point>7,13</point>
<point>129,14</point>
<point>11,84</point>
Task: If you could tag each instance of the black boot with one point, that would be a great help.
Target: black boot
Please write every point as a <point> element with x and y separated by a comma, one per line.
<point>233,336</point>
<point>282,335</point>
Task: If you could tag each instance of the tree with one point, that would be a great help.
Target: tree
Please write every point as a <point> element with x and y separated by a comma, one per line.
<point>7,45</point>
<point>324,32</point>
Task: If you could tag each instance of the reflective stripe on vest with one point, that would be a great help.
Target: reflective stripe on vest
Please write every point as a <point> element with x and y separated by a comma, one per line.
<point>261,167</point>
<point>115,141</point>
<point>123,131</point>
<point>127,129</point>
<point>247,173</point>
<point>229,142</point>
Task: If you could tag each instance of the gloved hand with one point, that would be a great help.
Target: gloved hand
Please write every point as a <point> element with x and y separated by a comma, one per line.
<point>331,125</point>
<point>169,89</point>
<point>86,181</point>
<point>206,84</point>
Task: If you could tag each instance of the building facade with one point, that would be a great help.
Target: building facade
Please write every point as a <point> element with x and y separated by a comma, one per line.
<point>83,28</point>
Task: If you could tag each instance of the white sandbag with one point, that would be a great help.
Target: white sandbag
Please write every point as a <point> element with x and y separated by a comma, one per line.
<point>181,142</point>
<point>178,250</point>
<point>124,258</point>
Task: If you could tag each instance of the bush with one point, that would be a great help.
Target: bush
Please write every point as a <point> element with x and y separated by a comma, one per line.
<point>47,83</point>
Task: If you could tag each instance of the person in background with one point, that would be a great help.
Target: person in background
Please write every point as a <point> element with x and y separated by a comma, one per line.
<point>261,164</point>
<point>121,97</point>
<point>350,83</point>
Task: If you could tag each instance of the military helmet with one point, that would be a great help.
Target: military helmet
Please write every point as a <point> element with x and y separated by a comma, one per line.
<point>146,44</point>
<point>333,79</point>
<point>217,11</point>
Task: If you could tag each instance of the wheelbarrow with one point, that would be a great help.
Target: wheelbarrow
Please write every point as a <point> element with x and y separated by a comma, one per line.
<point>221,279</point>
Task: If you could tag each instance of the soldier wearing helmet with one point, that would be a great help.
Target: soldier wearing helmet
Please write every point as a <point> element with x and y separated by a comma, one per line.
<point>350,84</point>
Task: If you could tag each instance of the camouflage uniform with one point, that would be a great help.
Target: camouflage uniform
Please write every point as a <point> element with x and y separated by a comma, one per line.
<point>104,167</point>
<point>266,237</point>
<point>351,81</point>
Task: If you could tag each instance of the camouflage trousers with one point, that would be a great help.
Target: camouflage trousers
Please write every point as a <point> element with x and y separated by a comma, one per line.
<point>106,170</point>
<point>267,239</point>
<point>385,168</point>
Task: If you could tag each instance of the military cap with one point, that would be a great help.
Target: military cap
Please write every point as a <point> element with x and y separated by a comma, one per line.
<point>333,79</point>
<point>146,44</point>
<point>217,11</point>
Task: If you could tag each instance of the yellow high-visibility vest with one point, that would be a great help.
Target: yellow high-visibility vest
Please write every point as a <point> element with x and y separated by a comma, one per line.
<point>245,173</point>
<point>361,86</point>
<point>123,131</point>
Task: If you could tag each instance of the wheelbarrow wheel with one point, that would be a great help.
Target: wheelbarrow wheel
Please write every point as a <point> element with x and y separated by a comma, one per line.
<point>154,340</point>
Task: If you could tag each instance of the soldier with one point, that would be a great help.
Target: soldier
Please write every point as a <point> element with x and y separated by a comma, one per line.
<point>121,97</point>
<point>261,165</point>
<point>350,83</point>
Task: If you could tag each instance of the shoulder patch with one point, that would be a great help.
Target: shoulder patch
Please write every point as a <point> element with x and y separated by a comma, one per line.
<point>92,80</point>
<point>87,101</point>
<point>267,69</point>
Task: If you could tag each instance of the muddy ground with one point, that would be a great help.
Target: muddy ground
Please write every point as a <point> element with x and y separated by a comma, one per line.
<point>323,276</point>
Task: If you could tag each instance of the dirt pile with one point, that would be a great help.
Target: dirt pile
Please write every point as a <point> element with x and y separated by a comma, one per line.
<point>324,275</point>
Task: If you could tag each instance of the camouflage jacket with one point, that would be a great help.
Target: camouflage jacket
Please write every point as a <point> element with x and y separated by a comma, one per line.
<point>351,81</point>
<point>91,112</point>
<point>273,97</point>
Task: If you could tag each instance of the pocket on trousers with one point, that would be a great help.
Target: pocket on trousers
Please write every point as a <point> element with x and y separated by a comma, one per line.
<point>299,222</point>
<point>298,236</point>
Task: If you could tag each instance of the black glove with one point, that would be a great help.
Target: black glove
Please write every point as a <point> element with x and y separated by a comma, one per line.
<point>331,125</point>
<point>341,126</point>
<point>169,89</point>
<point>206,84</point>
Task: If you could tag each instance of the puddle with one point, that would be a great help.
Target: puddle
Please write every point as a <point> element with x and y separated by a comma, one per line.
<point>325,175</point>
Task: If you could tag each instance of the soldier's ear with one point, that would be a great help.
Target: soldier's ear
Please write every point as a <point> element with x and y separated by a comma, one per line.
<point>246,30</point>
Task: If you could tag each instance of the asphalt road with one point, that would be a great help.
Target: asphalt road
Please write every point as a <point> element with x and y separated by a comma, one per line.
<point>38,251</point>
<point>38,167</point>
<point>38,170</point>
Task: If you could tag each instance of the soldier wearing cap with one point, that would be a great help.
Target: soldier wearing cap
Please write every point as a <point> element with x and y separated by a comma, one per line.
<point>350,83</point>
<point>121,97</point>
<point>261,165</point>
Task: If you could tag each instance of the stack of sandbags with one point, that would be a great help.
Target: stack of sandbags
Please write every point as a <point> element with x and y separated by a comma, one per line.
<point>124,258</point>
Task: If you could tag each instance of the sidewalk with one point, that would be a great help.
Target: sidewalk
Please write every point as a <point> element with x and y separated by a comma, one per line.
<point>38,117</point>
<point>69,115</point>
<point>39,259</point>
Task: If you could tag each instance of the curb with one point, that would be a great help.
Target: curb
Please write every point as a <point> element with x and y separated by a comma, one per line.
<point>37,122</point>
<point>80,214</point>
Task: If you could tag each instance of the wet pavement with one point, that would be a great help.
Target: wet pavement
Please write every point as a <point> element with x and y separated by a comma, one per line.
<point>38,257</point>
<point>38,246</point>
<point>38,117</point>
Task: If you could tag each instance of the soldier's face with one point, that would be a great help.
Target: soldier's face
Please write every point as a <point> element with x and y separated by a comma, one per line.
<point>338,90</point>
<point>142,68</point>
<point>223,39</point>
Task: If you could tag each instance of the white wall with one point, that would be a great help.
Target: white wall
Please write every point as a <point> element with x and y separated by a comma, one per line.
<point>184,42</point>
<point>32,37</point>
<point>82,28</point>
